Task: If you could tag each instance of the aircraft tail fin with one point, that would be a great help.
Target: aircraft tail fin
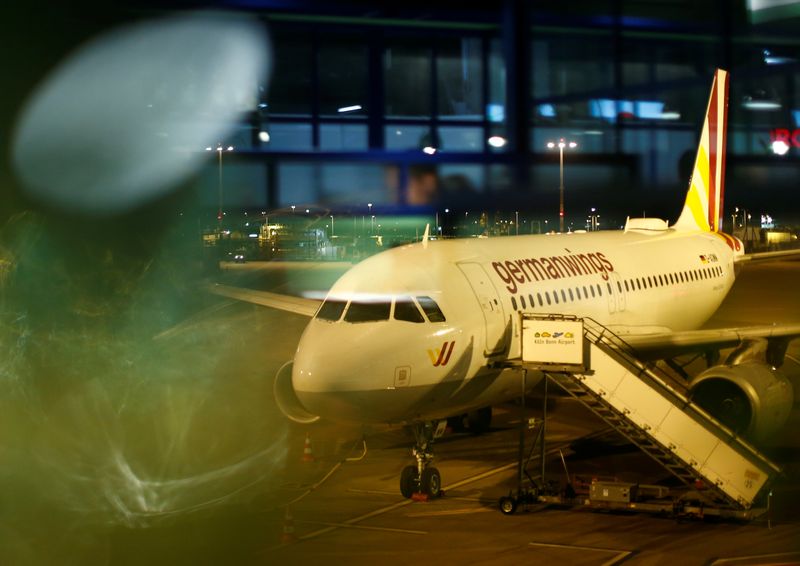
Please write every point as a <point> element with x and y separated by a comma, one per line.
<point>703,207</point>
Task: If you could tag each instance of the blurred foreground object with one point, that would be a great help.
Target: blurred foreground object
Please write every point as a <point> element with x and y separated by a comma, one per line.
<point>126,117</point>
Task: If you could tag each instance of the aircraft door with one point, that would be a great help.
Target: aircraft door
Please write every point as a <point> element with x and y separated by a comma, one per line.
<point>491,305</point>
<point>616,300</point>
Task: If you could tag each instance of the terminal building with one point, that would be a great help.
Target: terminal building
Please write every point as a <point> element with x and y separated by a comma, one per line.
<point>433,105</point>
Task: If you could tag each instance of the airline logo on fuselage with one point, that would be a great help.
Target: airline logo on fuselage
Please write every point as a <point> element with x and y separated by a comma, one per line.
<point>440,357</point>
<point>512,272</point>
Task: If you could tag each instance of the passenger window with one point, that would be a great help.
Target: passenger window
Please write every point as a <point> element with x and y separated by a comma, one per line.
<point>619,286</point>
<point>431,309</point>
<point>649,282</point>
<point>514,303</point>
<point>609,287</point>
<point>530,301</point>
<point>539,296</point>
<point>585,292</point>
<point>599,290</point>
<point>626,285</point>
<point>563,296</point>
<point>578,292</point>
<point>571,296</point>
<point>405,309</point>
<point>555,296</point>
<point>367,312</point>
<point>638,284</point>
<point>591,288</point>
<point>547,296</point>
<point>331,310</point>
<point>522,301</point>
<point>671,282</point>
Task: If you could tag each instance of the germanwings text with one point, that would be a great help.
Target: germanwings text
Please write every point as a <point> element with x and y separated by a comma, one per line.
<point>516,271</point>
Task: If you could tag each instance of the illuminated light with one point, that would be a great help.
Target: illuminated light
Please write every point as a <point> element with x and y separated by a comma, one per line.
<point>209,148</point>
<point>230,148</point>
<point>263,135</point>
<point>771,59</point>
<point>760,104</point>
<point>547,110</point>
<point>495,112</point>
<point>780,147</point>
<point>497,141</point>
<point>253,235</point>
<point>352,108</point>
<point>550,145</point>
<point>573,144</point>
<point>429,150</point>
<point>789,137</point>
<point>670,115</point>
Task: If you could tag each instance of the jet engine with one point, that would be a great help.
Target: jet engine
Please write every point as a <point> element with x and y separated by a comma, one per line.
<point>286,398</point>
<point>753,399</point>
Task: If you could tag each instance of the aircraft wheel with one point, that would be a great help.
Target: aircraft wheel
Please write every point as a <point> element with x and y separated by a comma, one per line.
<point>431,482</point>
<point>508,505</point>
<point>408,481</point>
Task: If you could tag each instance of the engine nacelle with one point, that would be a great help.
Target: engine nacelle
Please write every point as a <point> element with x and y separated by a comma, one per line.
<point>286,398</point>
<point>752,398</point>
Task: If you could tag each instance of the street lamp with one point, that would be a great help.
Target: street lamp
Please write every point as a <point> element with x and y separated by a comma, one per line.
<point>219,150</point>
<point>561,145</point>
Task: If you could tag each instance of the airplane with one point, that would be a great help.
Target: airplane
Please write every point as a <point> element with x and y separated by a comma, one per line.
<point>418,334</point>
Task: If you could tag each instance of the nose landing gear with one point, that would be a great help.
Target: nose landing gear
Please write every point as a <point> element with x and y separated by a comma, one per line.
<point>423,478</point>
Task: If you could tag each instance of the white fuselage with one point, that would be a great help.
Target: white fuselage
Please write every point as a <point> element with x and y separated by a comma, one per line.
<point>390,371</point>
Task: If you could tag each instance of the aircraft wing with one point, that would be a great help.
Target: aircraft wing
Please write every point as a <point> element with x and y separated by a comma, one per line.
<point>297,305</point>
<point>667,345</point>
<point>766,256</point>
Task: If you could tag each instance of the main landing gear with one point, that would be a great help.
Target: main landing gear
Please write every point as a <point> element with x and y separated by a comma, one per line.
<point>423,478</point>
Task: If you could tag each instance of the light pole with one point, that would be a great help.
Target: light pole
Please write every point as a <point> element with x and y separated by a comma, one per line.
<point>516,221</point>
<point>219,150</point>
<point>561,145</point>
<point>332,229</point>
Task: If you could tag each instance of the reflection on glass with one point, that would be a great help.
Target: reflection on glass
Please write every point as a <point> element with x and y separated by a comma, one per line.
<point>367,312</point>
<point>290,90</point>
<point>405,309</point>
<point>343,78</point>
<point>407,72</point>
<point>407,136</point>
<point>455,138</point>
<point>459,78</point>
<point>343,137</point>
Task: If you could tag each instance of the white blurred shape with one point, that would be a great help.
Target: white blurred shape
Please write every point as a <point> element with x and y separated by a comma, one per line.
<point>780,147</point>
<point>127,116</point>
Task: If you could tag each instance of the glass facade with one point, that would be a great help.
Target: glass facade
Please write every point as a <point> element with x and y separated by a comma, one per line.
<point>415,114</point>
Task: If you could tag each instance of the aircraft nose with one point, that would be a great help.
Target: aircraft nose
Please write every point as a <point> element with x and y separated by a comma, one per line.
<point>319,374</point>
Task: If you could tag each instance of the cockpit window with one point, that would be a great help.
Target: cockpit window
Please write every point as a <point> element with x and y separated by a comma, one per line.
<point>331,310</point>
<point>431,309</point>
<point>367,312</point>
<point>405,309</point>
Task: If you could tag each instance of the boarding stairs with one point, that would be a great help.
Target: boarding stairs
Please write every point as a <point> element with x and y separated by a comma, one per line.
<point>643,403</point>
